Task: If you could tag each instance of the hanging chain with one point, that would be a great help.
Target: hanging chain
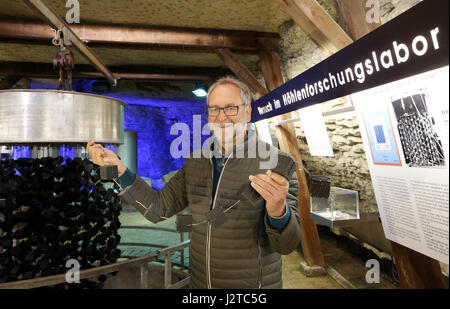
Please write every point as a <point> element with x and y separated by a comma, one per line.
<point>58,38</point>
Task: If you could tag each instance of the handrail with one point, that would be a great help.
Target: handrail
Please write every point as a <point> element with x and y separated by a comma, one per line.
<point>139,227</point>
<point>177,247</point>
<point>139,244</point>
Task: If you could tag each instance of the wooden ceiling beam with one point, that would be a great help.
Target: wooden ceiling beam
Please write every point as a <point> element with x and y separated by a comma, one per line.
<point>44,70</point>
<point>138,37</point>
<point>53,20</point>
<point>271,69</point>
<point>241,71</point>
<point>353,13</point>
<point>317,24</point>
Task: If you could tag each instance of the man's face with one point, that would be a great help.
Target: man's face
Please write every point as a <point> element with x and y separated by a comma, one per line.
<point>232,121</point>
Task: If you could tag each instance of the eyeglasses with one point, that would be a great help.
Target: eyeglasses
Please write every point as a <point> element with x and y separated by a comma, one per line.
<point>229,110</point>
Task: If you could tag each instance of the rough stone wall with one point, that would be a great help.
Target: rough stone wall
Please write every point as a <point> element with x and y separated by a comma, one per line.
<point>349,168</point>
<point>297,51</point>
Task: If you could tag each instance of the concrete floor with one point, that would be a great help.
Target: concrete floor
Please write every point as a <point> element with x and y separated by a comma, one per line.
<point>350,271</point>
<point>294,279</point>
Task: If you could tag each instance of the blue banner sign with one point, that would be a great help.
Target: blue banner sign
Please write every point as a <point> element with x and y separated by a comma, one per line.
<point>415,42</point>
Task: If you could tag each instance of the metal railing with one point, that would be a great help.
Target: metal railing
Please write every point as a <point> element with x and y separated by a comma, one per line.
<point>166,253</point>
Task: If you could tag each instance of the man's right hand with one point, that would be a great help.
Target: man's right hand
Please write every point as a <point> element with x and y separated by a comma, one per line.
<point>102,156</point>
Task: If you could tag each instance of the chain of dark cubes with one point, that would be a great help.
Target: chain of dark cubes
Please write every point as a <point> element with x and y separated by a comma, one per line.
<point>421,144</point>
<point>53,210</point>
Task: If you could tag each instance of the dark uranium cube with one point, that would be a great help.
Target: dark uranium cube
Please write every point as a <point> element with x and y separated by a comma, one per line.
<point>15,270</point>
<point>6,243</point>
<point>217,216</point>
<point>44,263</point>
<point>87,165</point>
<point>286,167</point>
<point>183,223</point>
<point>154,215</point>
<point>319,186</point>
<point>16,251</point>
<point>247,192</point>
<point>109,194</point>
<point>30,256</point>
<point>43,246</point>
<point>28,275</point>
<point>109,172</point>
<point>70,197</point>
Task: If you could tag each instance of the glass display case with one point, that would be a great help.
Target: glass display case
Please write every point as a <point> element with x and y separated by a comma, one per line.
<point>340,208</point>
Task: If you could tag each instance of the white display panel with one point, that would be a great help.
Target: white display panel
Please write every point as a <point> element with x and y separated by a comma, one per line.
<point>405,131</point>
<point>316,131</point>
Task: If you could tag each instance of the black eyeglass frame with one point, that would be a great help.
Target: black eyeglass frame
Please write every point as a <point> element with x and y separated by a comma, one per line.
<point>218,109</point>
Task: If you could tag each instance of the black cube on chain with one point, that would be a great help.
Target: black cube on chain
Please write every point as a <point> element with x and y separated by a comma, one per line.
<point>59,213</point>
<point>109,172</point>
<point>319,186</point>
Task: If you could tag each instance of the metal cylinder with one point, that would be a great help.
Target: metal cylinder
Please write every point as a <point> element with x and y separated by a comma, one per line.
<point>128,150</point>
<point>62,117</point>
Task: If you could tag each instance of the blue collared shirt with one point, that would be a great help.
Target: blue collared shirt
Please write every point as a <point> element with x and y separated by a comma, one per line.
<point>126,179</point>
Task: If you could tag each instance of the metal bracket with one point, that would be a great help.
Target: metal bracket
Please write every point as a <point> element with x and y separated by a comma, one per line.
<point>55,21</point>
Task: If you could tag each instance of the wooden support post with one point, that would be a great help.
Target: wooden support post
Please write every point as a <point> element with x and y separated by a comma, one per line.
<point>415,270</point>
<point>167,271</point>
<point>144,275</point>
<point>287,140</point>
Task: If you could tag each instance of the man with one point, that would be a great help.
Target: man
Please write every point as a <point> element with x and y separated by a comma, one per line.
<point>244,251</point>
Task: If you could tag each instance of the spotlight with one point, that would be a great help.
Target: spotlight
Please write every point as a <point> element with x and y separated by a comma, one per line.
<point>200,91</point>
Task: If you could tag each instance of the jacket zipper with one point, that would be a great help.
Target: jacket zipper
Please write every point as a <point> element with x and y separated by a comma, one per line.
<point>208,235</point>
<point>260,265</point>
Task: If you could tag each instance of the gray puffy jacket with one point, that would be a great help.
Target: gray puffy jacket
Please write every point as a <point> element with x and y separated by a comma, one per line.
<point>244,252</point>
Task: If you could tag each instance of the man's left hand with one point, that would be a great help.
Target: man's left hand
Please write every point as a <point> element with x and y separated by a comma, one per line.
<point>273,188</point>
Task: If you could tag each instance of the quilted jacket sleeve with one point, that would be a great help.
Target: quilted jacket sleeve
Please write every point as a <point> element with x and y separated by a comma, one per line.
<point>287,240</point>
<point>170,200</point>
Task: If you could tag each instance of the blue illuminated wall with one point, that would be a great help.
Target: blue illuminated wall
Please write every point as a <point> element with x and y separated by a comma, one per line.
<point>152,124</point>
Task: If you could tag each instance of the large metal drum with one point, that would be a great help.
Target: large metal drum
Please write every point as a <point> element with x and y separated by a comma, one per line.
<point>53,205</point>
<point>62,117</point>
